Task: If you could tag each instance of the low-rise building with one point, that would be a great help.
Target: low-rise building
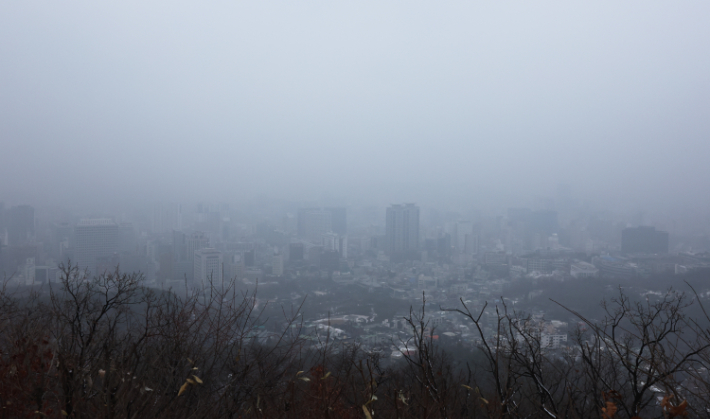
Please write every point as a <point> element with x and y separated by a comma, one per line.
<point>581,269</point>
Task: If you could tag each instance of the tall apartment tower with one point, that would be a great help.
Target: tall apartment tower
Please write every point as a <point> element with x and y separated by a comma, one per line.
<point>184,247</point>
<point>94,239</point>
<point>208,266</point>
<point>402,232</point>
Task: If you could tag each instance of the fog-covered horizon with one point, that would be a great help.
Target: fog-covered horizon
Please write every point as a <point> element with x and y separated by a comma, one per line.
<point>449,104</point>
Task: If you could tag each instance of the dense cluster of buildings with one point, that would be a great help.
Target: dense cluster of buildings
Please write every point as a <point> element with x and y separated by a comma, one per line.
<point>208,244</point>
<point>399,251</point>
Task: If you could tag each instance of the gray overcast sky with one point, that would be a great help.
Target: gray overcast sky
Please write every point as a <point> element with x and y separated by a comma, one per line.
<point>401,100</point>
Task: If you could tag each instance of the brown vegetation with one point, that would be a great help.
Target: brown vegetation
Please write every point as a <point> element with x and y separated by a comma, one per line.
<point>107,347</point>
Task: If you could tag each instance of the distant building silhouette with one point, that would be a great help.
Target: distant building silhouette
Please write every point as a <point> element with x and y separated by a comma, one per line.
<point>94,241</point>
<point>402,232</point>
<point>644,240</point>
<point>184,248</point>
<point>208,267</point>
<point>277,265</point>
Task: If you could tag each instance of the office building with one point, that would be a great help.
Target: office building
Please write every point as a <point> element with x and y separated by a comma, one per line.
<point>581,269</point>
<point>277,265</point>
<point>95,239</point>
<point>402,232</point>
<point>208,267</point>
<point>183,253</point>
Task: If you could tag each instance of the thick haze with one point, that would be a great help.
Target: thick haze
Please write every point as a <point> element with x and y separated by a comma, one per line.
<point>384,101</point>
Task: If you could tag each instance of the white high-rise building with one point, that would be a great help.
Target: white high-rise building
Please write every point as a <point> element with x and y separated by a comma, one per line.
<point>94,239</point>
<point>29,271</point>
<point>208,267</point>
<point>335,242</point>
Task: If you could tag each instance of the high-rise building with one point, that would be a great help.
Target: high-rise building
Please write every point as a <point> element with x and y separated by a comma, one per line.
<point>184,248</point>
<point>338,220</point>
<point>335,242</point>
<point>234,266</point>
<point>402,232</point>
<point>277,265</point>
<point>94,239</point>
<point>644,240</point>
<point>208,267</point>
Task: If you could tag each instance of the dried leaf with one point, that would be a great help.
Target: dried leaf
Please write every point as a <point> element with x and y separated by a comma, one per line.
<point>402,399</point>
<point>466,387</point>
<point>304,379</point>
<point>183,388</point>
<point>64,413</point>
<point>609,411</point>
<point>673,411</point>
<point>102,373</point>
<point>326,376</point>
<point>197,379</point>
<point>299,373</point>
<point>367,412</point>
<point>189,380</point>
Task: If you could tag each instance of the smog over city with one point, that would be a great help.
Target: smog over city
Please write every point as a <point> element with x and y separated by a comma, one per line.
<point>409,209</point>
